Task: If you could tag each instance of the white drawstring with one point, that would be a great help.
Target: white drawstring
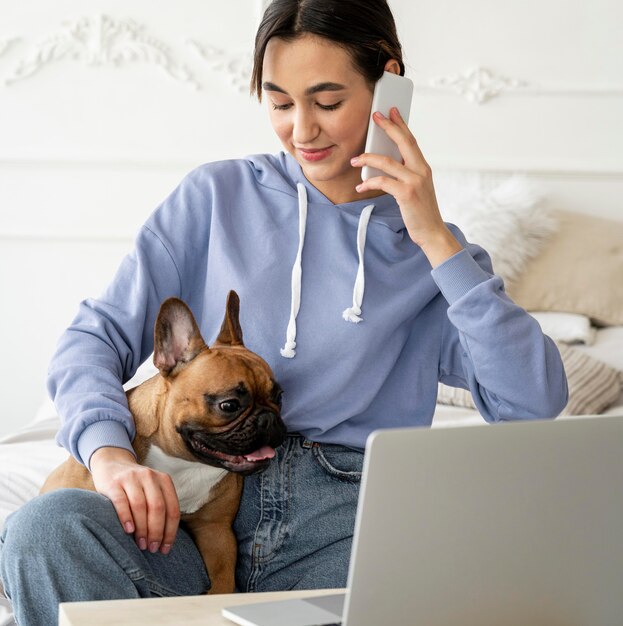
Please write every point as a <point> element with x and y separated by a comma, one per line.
<point>352,313</point>
<point>297,272</point>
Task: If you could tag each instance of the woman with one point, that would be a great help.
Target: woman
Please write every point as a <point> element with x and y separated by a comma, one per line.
<point>284,231</point>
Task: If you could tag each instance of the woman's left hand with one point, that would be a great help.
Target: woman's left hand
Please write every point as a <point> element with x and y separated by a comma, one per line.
<point>412,186</point>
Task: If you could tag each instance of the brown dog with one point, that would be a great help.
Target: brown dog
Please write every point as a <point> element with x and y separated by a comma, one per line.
<point>210,417</point>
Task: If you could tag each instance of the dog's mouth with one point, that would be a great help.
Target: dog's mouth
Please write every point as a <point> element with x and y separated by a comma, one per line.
<point>248,463</point>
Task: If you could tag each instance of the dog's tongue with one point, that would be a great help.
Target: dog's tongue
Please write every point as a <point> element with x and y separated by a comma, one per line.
<point>266,452</point>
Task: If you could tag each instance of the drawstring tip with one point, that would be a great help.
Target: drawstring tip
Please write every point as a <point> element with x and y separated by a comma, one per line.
<point>288,350</point>
<point>351,316</point>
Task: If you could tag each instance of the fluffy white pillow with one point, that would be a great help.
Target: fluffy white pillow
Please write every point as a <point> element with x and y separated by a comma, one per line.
<point>507,217</point>
<point>566,327</point>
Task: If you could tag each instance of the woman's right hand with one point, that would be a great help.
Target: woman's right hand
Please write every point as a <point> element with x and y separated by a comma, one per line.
<point>145,499</point>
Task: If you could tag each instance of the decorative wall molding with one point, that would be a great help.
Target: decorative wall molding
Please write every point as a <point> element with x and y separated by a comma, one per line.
<point>101,40</point>
<point>480,85</point>
<point>105,40</point>
<point>236,66</point>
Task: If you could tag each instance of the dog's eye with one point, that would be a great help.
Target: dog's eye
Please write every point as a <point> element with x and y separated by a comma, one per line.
<point>279,398</point>
<point>229,406</point>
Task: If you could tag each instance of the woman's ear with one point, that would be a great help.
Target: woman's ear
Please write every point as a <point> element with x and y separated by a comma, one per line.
<point>392,66</point>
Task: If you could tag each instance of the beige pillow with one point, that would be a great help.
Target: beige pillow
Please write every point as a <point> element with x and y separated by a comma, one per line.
<point>593,385</point>
<point>579,270</point>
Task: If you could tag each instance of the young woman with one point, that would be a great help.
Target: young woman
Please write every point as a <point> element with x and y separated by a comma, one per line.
<point>357,337</point>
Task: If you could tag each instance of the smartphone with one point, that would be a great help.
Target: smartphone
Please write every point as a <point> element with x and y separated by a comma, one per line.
<point>391,90</point>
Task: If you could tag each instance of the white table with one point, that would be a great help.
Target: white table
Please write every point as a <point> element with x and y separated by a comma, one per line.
<point>188,610</point>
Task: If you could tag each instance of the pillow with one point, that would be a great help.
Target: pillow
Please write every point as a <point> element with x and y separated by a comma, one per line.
<point>579,271</point>
<point>593,385</point>
<point>566,327</point>
<point>508,218</point>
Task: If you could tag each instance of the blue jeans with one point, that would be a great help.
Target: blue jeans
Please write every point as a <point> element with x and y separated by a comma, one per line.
<point>294,530</point>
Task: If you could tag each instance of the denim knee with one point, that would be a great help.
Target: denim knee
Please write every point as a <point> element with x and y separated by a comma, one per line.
<point>44,525</point>
<point>45,554</point>
<point>41,524</point>
<point>68,545</point>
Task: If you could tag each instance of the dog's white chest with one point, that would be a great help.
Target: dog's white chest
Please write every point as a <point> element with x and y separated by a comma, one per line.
<point>193,480</point>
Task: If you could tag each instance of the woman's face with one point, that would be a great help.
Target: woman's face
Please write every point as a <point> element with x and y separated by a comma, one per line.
<point>319,106</point>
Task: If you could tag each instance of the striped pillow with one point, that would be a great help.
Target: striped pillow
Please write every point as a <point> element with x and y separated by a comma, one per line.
<point>593,385</point>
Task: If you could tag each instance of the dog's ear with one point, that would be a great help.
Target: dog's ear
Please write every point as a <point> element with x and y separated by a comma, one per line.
<point>177,339</point>
<point>231,333</point>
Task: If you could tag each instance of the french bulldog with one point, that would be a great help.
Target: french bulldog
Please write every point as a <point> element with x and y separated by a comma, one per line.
<point>208,418</point>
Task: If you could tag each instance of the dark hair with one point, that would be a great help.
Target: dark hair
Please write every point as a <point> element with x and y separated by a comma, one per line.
<point>365,28</point>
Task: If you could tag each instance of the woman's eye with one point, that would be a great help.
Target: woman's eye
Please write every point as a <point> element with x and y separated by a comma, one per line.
<point>324,107</point>
<point>329,107</point>
<point>229,406</point>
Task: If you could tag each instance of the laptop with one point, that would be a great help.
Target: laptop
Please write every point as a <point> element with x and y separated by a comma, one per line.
<point>516,523</point>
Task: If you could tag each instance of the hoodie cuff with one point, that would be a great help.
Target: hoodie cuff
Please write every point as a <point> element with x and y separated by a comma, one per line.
<point>458,275</point>
<point>102,434</point>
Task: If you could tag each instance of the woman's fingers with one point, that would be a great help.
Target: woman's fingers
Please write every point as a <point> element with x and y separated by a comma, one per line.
<point>156,512</point>
<point>413,164</point>
<point>120,501</point>
<point>384,163</point>
<point>145,499</point>
<point>172,518</point>
<point>382,183</point>
<point>155,508</point>
<point>399,132</point>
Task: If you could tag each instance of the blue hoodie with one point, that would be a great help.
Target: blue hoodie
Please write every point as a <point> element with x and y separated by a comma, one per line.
<point>336,298</point>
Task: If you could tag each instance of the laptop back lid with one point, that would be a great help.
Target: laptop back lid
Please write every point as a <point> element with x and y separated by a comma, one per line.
<point>513,524</point>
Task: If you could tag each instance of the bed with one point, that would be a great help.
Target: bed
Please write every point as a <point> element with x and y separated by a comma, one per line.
<point>104,108</point>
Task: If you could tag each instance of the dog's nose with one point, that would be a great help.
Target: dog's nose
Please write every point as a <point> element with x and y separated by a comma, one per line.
<point>271,424</point>
<point>266,420</point>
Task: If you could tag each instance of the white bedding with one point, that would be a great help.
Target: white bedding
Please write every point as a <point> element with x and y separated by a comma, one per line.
<point>28,456</point>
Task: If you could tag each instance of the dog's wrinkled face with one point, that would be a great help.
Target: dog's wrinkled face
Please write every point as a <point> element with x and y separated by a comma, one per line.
<point>234,423</point>
<point>222,402</point>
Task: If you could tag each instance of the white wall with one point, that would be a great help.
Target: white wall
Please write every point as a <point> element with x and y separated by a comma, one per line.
<point>88,146</point>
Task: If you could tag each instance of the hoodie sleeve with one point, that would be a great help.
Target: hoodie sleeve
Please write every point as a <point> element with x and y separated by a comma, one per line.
<point>112,335</point>
<point>493,347</point>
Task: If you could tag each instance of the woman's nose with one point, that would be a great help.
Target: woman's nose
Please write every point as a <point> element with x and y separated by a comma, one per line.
<point>305,128</point>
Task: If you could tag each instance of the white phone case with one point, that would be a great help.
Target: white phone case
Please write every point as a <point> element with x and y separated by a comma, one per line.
<point>392,90</point>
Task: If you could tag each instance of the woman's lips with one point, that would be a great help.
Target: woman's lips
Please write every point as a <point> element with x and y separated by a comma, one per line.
<point>315,155</point>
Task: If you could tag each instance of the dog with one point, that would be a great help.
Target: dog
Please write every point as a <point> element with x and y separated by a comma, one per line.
<point>211,416</point>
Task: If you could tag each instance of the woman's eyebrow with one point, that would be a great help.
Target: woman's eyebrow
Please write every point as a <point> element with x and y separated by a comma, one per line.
<point>310,91</point>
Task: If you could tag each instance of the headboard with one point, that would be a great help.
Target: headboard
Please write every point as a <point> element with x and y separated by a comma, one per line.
<point>104,106</point>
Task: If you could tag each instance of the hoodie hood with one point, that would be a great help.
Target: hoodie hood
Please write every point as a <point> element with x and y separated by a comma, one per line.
<point>383,209</point>
<point>282,172</point>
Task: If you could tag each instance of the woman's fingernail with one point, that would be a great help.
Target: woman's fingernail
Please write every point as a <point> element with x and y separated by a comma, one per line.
<point>358,187</point>
<point>166,548</point>
<point>153,547</point>
<point>379,115</point>
<point>142,543</point>
<point>129,527</point>
<point>354,160</point>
